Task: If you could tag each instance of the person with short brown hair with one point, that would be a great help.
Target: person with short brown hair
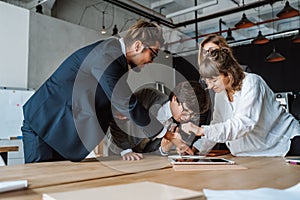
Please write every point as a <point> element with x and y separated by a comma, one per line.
<point>188,101</point>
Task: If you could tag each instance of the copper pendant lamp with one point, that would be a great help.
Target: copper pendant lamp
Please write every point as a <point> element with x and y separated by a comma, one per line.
<point>274,56</point>
<point>287,11</point>
<point>244,22</point>
<point>260,38</point>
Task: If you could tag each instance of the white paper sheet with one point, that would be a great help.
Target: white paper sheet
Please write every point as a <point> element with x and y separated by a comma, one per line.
<point>292,193</point>
<point>132,191</point>
<point>6,186</point>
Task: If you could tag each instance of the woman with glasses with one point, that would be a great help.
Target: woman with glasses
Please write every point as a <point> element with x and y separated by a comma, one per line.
<point>246,117</point>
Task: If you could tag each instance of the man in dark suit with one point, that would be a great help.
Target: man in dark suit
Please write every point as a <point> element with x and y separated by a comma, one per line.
<point>69,114</point>
<point>187,102</point>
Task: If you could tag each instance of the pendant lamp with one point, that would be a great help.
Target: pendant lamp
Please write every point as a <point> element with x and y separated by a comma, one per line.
<point>260,38</point>
<point>103,31</point>
<point>287,11</point>
<point>229,36</point>
<point>274,56</point>
<point>244,22</point>
<point>115,30</point>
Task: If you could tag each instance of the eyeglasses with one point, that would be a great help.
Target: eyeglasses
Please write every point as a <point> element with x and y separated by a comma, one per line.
<point>187,115</point>
<point>213,52</point>
<point>205,52</point>
<point>154,54</point>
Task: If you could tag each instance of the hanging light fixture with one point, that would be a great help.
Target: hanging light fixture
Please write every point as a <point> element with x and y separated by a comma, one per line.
<point>244,22</point>
<point>115,30</point>
<point>103,31</point>
<point>229,36</point>
<point>229,32</point>
<point>287,11</point>
<point>39,9</point>
<point>260,38</point>
<point>296,38</point>
<point>274,56</point>
<point>166,51</point>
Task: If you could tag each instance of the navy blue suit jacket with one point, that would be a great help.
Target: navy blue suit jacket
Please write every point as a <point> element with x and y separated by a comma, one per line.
<point>72,109</point>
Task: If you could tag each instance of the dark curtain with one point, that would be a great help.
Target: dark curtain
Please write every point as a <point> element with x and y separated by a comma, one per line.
<point>281,76</point>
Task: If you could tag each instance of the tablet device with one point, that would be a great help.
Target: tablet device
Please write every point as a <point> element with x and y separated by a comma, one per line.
<point>295,161</point>
<point>198,160</point>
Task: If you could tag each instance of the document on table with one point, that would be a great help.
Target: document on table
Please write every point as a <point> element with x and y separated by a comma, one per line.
<point>6,186</point>
<point>292,193</point>
<point>133,191</point>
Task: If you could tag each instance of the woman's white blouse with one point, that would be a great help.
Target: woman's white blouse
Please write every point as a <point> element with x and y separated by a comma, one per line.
<point>254,124</point>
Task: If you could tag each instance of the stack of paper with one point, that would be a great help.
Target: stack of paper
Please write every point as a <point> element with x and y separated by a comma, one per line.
<point>132,191</point>
<point>292,193</point>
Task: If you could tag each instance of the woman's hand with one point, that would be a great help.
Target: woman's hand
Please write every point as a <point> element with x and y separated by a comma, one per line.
<point>175,137</point>
<point>190,127</point>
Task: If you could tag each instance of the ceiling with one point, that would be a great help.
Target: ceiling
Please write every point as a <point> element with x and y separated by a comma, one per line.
<point>183,15</point>
<point>194,19</point>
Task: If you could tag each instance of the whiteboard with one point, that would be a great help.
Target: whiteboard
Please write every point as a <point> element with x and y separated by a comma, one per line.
<point>11,103</point>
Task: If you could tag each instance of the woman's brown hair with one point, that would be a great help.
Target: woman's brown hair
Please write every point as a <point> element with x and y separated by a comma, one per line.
<point>221,61</point>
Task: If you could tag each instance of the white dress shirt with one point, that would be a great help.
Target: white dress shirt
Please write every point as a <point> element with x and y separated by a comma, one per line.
<point>254,124</point>
<point>164,115</point>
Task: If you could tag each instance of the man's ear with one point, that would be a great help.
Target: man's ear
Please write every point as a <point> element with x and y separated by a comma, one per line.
<point>138,46</point>
<point>174,98</point>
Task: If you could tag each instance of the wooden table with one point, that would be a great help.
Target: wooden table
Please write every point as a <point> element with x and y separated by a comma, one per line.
<point>8,148</point>
<point>65,176</point>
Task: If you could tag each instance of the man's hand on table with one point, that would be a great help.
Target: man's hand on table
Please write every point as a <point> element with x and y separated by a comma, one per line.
<point>132,156</point>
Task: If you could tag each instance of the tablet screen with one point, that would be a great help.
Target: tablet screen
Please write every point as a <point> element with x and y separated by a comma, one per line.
<point>203,161</point>
<point>199,160</point>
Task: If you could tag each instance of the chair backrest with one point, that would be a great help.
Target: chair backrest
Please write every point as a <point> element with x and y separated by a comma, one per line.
<point>285,99</point>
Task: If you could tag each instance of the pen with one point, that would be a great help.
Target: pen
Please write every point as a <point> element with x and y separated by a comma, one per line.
<point>293,163</point>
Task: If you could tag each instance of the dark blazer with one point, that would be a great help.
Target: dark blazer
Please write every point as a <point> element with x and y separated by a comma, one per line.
<point>72,109</point>
<point>124,135</point>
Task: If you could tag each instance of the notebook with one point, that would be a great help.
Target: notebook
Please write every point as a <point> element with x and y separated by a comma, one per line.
<point>132,191</point>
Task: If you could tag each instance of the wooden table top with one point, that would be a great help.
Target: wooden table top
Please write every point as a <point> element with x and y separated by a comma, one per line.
<point>5,149</point>
<point>65,176</point>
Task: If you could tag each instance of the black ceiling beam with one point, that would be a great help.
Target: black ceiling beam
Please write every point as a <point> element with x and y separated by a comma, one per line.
<point>227,12</point>
<point>142,13</point>
<point>193,21</point>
